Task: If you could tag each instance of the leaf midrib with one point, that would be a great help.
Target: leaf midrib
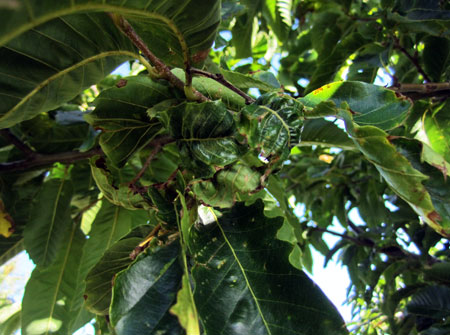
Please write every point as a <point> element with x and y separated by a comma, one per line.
<point>266,325</point>
<point>55,208</point>
<point>58,283</point>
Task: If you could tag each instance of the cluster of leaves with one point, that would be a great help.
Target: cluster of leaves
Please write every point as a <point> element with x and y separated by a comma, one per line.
<point>163,202</point>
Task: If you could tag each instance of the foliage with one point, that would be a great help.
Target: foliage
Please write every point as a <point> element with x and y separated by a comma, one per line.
<point>165,202</point>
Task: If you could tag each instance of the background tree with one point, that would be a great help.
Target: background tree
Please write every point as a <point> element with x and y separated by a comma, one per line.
<point>163,202</point>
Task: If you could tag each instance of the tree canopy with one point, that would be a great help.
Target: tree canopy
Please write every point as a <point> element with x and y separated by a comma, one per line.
<point>166,201</point>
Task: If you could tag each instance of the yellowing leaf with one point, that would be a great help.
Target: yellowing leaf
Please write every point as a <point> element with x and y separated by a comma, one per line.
<point>185,310</point>
<point>6,222</point>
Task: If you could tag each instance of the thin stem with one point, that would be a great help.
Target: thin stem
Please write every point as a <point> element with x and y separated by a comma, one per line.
<point>157,144</point>
<point>413,60</point>
<point>6,133</point>
<point>39,160</point>
<point>220,79</point>
<point>421,91</point>
<point>162,69</point>
<point>343,236</point>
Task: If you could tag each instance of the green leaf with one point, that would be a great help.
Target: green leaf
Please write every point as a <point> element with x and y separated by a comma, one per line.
<point>370,104</point>
<point>114,184</point>
<point>279,17</point>
<point>331,62</point>
<point>270,122</point>
<point>264,81</point>
<point>185,309</point>
<point>162,27</point>
<point>436,131</point>
<point>437,185</point>
<point>50,218</point>
<point>214,90</point>
<point>163,164</point>
<point>110,224</point>
<point>223,190</point>
<point>205,132</point>
<point>432,301</point>
<point>18,199</point>
<point>11,325</point>
<point>244,283</point>
<point>154,279</point>
<point>36,81</point>
<point>48,136</point>
<point>324,133</point>
<point>51,294</point>
<point>121,115</point>
<point>100,278</point>
<point>436,56</point>
<point>434,22</point>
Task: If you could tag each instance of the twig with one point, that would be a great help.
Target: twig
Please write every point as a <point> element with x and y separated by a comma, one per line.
<point>344,236</point>
<point>157,144</point>
<point>162,69</point>
<point>421,91</point>
<point>220,79</point>
<point>393,251</point>
<point>6,133</point>
<point>39,160</point>
<point>421,88</point>
<point>413,60</point>
<point>144,244</point>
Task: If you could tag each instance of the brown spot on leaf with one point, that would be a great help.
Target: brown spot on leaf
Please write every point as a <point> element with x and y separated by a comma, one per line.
<point>318,91</point>
<point>434,216</point>
<point>200,55</point>
<point>121,83</point>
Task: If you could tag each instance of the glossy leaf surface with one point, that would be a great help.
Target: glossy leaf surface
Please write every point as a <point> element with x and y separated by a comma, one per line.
<point>205,131</point>
<point>370,104</point>
<point>144,293</point>
<point>244,282</point>
<point>100,279</point>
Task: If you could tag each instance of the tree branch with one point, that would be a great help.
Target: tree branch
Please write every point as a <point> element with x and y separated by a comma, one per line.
<point>37,160</point>
<point>6,133</point>
<point>220,79</point>
<point>420,91</point>
<point>393,251</point>
<point>162,69</point>
<point>157,144</point>
<point>413,60</point>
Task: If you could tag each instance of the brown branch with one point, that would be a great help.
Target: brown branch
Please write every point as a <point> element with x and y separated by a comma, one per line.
<point>163,70</point>
<point>421,91</point>
<point>37,160</point>
<point>6,133</point>
<point>220,79</point>
<point>413,60</point>
<point>157,144</point>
